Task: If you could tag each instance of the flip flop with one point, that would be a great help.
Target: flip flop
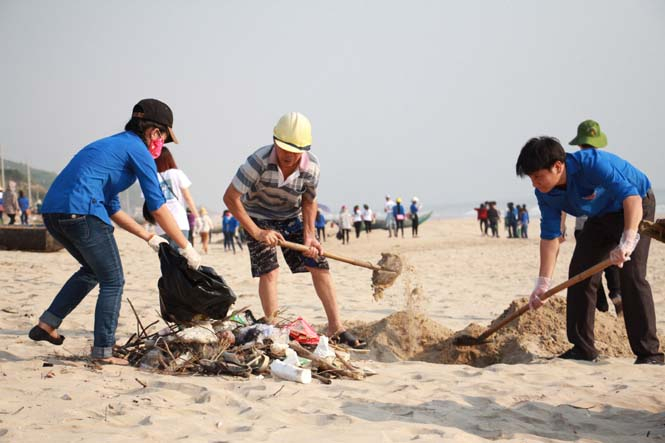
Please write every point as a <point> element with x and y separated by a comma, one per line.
<point>111,361</point>
<point>38,334</point>
<point>345,338</point>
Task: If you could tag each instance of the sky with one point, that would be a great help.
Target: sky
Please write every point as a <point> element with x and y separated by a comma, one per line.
<point>426,98</point>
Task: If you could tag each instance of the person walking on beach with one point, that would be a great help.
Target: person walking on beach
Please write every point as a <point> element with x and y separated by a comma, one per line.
<point>10,202</point>
<point>368,218</point>
<point>390,218</point>
<point>204,228</point>
<point>589,136</point>
<point>615,195</point>
<point>481,213</point>
<point>229,228</point>
<point>524,222</point>
<point>273,196</point>
<point>493,217</point>
<point>413,214</point>
<point>78,212</point>
<point>24,206</point>
<point>320,224</point>
<point>345,223</point>
<point>400,214</point>
<point>175,187</point>
<point>511,221</point>
<point>357,220</point>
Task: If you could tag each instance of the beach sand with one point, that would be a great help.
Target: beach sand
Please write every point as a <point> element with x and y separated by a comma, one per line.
<point>456,278</point>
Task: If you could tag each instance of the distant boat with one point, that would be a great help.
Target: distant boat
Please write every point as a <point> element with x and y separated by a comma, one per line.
<point>381,223</point>
<point>27,238</point>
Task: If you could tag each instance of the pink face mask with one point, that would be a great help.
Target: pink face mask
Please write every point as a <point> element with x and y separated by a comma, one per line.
<point>156,146</point>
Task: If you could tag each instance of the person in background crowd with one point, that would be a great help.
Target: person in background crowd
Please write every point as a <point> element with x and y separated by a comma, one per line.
<point>191,220</point>
<point>511,221</point>
<point>80,208</point>
<point>320,224</point>
<point>482,218</point>
<point>524,222</point>
<point>175,187</point>
<point>368,218</point>
<point>414,209</point>
<point>24,206</point>
<point>204,227</point>
<point>494,218</point>
<point>400,215</point>
<point>357,220</point>
<point>10,202</point>
<point>229,227</point>
<point>390,218</point>
<point>2,208</point>
<point>345,223</point>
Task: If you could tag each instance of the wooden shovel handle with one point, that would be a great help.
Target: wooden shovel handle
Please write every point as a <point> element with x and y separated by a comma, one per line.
<point>568,283</point>
<point>352,261</point>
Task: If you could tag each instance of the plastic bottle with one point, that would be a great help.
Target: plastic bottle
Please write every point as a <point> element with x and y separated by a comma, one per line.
<point>290,372</point>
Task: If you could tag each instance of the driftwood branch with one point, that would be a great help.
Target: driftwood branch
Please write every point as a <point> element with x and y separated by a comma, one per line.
<point>323,364</point>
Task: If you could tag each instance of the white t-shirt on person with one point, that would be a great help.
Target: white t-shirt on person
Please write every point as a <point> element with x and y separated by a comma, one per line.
<point>368,215</point>
<point>172,182</point>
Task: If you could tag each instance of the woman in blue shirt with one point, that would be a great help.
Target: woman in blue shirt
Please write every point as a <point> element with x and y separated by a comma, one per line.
<point>23,205</point>
<point>78,210</point>
<point>415,207</point>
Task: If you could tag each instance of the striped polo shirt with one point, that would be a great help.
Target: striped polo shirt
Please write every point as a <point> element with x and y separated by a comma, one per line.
<point>267,194</point>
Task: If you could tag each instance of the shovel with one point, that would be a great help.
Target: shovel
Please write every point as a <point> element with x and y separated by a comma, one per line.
<point>383,276</point>
<point>468,340</point>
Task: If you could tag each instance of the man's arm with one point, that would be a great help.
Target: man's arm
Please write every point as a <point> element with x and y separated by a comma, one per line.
<point>632,212</point>
<point>309,208</point>
<point>549,249</point>
<point>232,200</point>
<point>122,219</point>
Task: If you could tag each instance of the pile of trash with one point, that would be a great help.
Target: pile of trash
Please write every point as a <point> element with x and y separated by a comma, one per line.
<point>239,345</point>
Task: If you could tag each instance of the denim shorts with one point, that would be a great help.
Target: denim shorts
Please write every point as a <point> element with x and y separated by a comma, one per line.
<point>263,258</point>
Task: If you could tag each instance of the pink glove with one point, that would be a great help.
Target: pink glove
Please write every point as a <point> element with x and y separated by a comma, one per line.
<point>621,253</point>
<point>542,286</point>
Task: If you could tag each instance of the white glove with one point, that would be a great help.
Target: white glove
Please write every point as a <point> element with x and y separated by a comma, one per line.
<point>155,241</point>
<point>621,253</point>
<point>193,257</point>
<point>542,286</point>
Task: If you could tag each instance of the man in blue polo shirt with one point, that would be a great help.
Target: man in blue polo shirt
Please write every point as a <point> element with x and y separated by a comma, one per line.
<point>615,196</point>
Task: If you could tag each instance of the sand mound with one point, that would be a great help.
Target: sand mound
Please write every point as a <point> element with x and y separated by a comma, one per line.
<point>409,335</point>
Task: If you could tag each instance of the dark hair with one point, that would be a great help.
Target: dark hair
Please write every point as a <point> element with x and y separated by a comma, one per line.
<point>539,153</point>
<point>138,126</point>
<point>165,161</point>
<point>366,206</point>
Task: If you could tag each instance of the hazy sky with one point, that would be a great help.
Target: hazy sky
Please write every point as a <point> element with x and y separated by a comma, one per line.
<point>427,98</point>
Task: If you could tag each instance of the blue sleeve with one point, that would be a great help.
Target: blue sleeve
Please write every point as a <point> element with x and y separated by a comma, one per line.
<point>145,170</point>
<point>112,206</point>
<point>550,220</point>
<point>603,171</point>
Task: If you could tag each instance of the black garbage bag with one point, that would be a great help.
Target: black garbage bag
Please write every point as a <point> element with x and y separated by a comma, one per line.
<point>186,294</point>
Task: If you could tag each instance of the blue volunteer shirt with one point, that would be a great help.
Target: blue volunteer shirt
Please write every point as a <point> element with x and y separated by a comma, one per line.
<point>91,182</point>
<point>590,172</point>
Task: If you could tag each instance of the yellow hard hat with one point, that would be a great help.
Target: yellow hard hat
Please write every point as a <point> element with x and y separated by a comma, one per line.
<point>399,200</point>
<point>293,133</point>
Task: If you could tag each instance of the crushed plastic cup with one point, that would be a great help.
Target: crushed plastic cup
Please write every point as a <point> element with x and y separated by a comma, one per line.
<point>323,349</point>
<point>289,372</point>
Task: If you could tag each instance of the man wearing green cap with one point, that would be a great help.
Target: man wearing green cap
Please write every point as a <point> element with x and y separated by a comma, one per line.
<point>589,136</point>
<point>273,196</point>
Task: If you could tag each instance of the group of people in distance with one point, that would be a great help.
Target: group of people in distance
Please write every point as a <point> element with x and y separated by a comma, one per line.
<point>364,218</point>
<point>516,220</point>
<point>13,204</point>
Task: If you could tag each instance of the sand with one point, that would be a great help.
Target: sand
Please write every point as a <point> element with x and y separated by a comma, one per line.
<point>452,278</point>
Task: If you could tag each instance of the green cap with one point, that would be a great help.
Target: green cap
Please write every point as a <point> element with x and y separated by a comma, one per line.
<point>588,133</point>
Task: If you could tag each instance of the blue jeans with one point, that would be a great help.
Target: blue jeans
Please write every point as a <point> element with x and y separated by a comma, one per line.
<point>90,241</point>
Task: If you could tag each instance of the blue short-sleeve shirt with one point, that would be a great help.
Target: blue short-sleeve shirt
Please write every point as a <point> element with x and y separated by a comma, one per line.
<point>91,182</point>
<point>597,183</point>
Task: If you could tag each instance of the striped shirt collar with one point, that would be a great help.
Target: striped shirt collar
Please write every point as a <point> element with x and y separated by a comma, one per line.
<point>304,163</point>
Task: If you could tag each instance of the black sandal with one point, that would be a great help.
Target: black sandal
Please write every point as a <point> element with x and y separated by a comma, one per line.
<point>345,338</point>
<point>38,334</point>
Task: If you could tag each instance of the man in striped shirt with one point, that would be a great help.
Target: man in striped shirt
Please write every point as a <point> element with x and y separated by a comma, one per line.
<point>273,196</point>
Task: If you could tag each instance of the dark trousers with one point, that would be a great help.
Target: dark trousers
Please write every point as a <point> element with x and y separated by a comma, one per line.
<point>599,236</point>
